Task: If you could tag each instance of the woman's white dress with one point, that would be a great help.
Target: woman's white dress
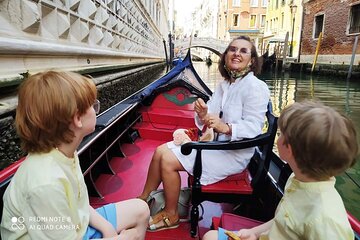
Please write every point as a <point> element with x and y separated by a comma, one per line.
<point>244,104</point>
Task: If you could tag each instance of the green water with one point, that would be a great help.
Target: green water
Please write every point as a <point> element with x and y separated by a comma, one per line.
<point>335,92</point>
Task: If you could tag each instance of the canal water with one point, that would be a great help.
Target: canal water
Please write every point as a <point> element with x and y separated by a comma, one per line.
<point>335,92</point>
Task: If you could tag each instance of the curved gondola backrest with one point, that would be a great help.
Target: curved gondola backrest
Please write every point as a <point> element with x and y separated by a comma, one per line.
<point>260,162</point>
<point>271,131</point>
<point>179,83</point>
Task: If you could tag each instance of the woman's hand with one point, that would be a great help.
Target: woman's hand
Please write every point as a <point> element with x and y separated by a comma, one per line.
<point>213,121</point>
<point>201,108</point>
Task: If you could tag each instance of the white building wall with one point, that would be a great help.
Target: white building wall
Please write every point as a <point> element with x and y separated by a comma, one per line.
<point>78,34</point>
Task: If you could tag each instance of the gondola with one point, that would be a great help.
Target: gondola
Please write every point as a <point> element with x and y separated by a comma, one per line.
<point>115,157</point>
<point>268,61</point>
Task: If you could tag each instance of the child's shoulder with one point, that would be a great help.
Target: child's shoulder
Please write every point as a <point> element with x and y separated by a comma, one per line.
<point>39,169</point>
<point>38,162</point>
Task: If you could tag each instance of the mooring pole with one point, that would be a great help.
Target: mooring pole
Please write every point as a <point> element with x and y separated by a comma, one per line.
<point>353,56</point>
<point>286,44</point>
<point>171,49</point>
<point>316,52</point>
<point>166,56</point>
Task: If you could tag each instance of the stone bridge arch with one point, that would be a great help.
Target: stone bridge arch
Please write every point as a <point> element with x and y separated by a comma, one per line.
<point>214,45</point>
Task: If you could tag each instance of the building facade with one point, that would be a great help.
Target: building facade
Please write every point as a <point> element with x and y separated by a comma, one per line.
<point>242,17</point>
<point>205,19</point>
<point>283,17</point>
<point>79,34</point>
<point>339,23</point>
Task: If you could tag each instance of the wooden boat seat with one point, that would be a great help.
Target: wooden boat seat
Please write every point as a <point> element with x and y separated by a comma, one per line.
<point>239,187</point>
<point>170,116</point>
<point>239,183</point>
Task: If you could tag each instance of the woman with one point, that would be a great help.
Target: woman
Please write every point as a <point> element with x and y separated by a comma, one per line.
<point>235,111</point>
<point>47,197</point>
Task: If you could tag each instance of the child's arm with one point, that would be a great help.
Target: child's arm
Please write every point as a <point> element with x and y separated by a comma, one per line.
<point>255,232</point>
<point>101,224</point>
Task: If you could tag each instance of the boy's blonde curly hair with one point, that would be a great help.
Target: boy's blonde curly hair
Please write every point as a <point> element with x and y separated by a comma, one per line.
<point>323,141</point>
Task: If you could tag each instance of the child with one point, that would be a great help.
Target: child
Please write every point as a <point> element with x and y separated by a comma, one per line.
<point>47,197</point>
<point>318,143</point>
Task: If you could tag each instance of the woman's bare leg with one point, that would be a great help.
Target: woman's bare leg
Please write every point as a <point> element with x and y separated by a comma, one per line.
<point>170,167</point>
<point>153,179</point>
<point>132,218</point>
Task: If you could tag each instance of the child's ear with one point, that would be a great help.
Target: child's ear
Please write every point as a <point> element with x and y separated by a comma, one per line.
<point>289,151</point>
<point>77,120</point>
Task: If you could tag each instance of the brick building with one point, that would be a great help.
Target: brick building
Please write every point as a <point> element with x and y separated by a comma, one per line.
<point>339,22</point>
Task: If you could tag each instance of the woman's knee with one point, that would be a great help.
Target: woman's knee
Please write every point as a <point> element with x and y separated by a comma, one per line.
<point>159,152</point>
<point>169,162</point>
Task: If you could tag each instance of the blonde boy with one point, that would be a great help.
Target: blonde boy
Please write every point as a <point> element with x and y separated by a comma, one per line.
<point>47,197</point>
<point>318,143</point>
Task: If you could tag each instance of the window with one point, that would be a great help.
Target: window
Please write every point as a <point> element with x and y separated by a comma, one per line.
<point>252,21</point>
<point>236,20</point>
<point>264,3</point>
<point>319,22</point>
<point>355,19</point>
<point>262,20</point>
<point>282,20</point>
<point>236,3</point>
<point>254,3</point>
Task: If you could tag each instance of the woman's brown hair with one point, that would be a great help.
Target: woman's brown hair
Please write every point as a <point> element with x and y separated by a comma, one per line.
<point>48,101</point>
<point>255,60</point>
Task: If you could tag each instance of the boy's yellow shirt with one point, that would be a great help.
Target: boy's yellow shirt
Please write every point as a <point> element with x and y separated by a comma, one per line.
<point>48,198</point>
<point>310,210</point>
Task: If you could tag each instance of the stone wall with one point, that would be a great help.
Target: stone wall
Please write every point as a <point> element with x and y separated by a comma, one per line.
<point>77,34</point>
<point>336,40</point>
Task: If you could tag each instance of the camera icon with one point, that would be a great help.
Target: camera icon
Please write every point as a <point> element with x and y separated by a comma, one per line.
<point>17,223</point>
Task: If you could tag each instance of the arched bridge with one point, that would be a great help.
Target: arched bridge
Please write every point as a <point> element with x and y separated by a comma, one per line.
<point>212,44</point>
